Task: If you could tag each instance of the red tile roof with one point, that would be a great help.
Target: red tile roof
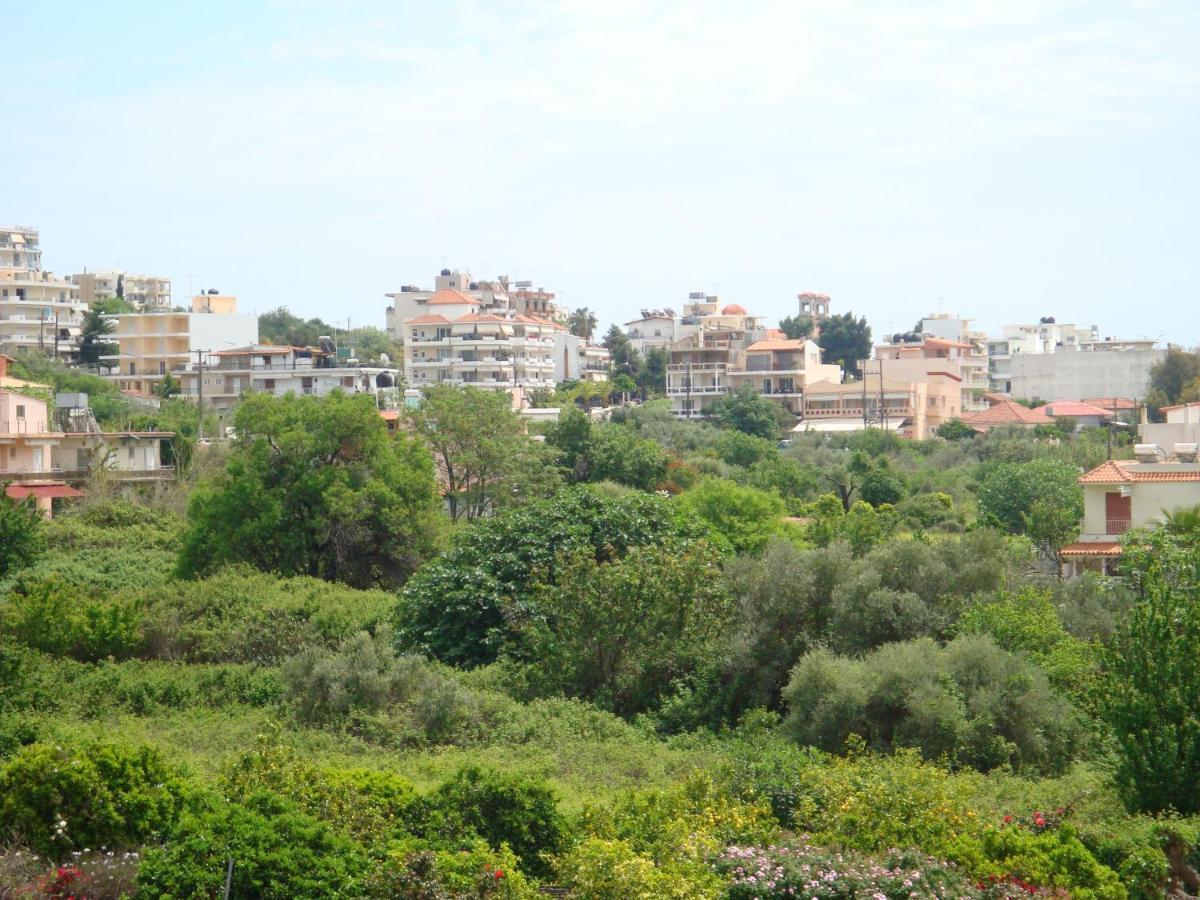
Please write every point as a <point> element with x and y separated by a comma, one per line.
<point>41,491</point>
<point>1092,548</point>
<point>1071,408</point>
<point>1113,404</point>
<point>1002,411</point>
<point>449,296</point>
<point>1125,472</point>
<point>428,320</point>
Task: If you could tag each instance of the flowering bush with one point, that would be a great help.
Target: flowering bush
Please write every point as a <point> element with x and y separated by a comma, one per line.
<point>1044,851</point>
<point>86,875</point>
<point>604,869</point>
<point>473,873</point>
<point>801,870</point>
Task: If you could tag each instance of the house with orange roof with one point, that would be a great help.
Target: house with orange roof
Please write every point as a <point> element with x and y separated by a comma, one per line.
<point>1083,414</point>
<point>1120,495</point>
<point>483,349</point>
<point>1003,411</point>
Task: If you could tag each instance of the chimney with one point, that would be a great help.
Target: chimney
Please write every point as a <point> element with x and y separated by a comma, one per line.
<point>1185,453</point>
<point>1145,453</point>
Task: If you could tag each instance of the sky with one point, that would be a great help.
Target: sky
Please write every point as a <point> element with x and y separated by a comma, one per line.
<point>1001,160</point>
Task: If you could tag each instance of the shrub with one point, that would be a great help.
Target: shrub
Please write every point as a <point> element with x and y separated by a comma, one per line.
<point>1051,857</point>
<point>58,799</point>
<point>50,615</point>
<point>970,701</point>
<point>22,538</point>
<point>744,516</point>
<point>604,869</point>
<point>277,852</point>
<point>476,872</point>
<point>502,809</point>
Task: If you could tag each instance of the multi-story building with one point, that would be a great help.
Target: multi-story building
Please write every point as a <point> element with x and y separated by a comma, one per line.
<point>972,361</point>
<point>577,360</point>
<point>913,409</point>
<point>153,344</point>
<point>656,329</point>
<point>411,301</point>
<point>700,364</point>
<point>1119,495</point>
<point>780,369</point>
<point>145,292</point>
<point>1109,368</point>
<point>228,374</point>
<point>456,344</point>
<point>37,310</point>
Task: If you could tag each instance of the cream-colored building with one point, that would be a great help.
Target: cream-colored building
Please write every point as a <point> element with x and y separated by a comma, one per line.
<point>153,344</point>
<point>1120,495</point>
<point>780,368</point>
<point>145,292</point>
<point>37,310</point>
<point>912,409</point>
<point>912,360</point>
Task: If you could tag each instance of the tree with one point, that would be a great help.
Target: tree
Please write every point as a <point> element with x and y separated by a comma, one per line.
<point>92,344</point>
<point>605,452</point>
<point>744,516</point>
<point>749,412</point>
<point>280,326</point>
<point>652,379</point>
<point>473,601</point>
<point>167,388</point>
<point>1008,493</point>
<point>1051,527</point>
<point>797,326</point>
<point>625,358</point>
<point>22,538</point>
<point>845,341</point>
<point>582,323</point>
<point>1153,679</point>
<point>316,486</point>
<point>881,484</point>
<point>955,430</point>
<point>1176,378</point>
<point>485,460</point>
<point>120,287</point>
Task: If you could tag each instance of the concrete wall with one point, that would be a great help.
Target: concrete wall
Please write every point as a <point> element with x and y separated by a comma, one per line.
<point>1148,501</point>
<point>1073,375</point>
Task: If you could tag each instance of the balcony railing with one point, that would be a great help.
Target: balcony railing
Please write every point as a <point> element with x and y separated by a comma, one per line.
<point>1118,526</point>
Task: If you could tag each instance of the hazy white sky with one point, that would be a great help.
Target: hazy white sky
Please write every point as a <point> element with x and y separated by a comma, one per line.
<point>1004,159</point>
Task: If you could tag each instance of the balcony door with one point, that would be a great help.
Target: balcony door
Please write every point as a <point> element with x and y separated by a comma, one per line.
<point>1118,512</point>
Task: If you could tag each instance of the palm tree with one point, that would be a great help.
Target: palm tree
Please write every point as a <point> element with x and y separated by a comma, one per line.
<point>582,323</point>
<point>1184,521</point>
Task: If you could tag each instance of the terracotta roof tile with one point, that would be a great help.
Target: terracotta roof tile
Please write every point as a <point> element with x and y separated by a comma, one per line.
<point>1092,548</point>
<point>450,297</point>
<point>1071,408</point>
<point>1125,472</point>
<point>428,320</point>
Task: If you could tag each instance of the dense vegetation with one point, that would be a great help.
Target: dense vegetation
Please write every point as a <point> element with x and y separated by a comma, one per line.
<point>655,660</point>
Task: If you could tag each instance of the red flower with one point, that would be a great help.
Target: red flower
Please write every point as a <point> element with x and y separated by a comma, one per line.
<point>1007,819</point>
<point>499,873</point>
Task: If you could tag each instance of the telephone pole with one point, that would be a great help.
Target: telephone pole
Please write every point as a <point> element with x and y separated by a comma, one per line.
<point>200,394</point>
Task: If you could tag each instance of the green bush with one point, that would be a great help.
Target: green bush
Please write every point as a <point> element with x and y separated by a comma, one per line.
<point>278,853</point>
<point>1052,857</point>
<point>476,872</point>
<point>502,809</point>
<point>605,869</point>
<point>50,615</point>
<point>57,799</point>
<point>746,517</point>
<point>22,538</point>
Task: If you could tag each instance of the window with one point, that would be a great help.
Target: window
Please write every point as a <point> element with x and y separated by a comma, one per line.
<point>20,410</point>
<point>131,454</point>
<point>269,384</point>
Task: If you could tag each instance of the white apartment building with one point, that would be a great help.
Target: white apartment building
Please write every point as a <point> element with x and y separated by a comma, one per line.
<point>37,310</point>
<point>265,368</point>
<point>1047,336</point>
<point>577,360</point>
<point>1105,368</point>
<point>657,328</point>
<point>701,364</point>
<point>973,362</point>
<point>456,343</point>
<point>146,292</point>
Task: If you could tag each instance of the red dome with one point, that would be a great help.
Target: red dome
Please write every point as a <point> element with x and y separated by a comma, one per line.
<point>734,309</point>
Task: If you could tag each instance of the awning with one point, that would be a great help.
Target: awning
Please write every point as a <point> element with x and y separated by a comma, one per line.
<point>16,237</point>
<point>41,491</point>
<point>847,424</point>
<point>1091,548</point>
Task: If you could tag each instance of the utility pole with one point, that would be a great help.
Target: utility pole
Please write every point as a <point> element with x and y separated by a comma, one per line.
<point>199,394</point>
<point>882,408</point>
<point>688,384</point>
<point>864,381</point>
<point>56,334</point>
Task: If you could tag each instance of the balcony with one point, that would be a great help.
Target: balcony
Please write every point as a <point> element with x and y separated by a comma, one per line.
<point>1118,526</point>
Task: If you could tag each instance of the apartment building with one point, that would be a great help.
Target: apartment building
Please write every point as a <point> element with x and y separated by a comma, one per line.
<point>145,292</point>
<point>780,369</point>
<point>456,344</point>
<point>152,344</point>
<point>1108,367</point>
<point>909,357</point>
<point>656,329</point>
<point>228,374</point>
<point>1045,337</point>
<point>577,360</point>
<point>1182,426</point>
<point>701,364</point>
<point>500,297</point>
<point>911,408</point>
<point>1119,495</point>
<point>973,360</point>
<point>37,310</point>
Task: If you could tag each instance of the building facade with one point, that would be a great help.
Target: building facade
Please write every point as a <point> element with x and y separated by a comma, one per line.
<point>37,310</point>
<point>1109,368</point>
<point>780,368</point>
<point>146,292</point>
<point>911,408</point>
<point>460,346</point>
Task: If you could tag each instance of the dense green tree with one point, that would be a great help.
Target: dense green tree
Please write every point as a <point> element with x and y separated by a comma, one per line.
<point>652,379</point>
<point>618,633</point>
<point>625,359</point>
<point>316,486</point>
<point>845,341</point>
<point>797,326</point>
<point>1176,378</point>
<point>582,322</point>
<point>744,516</point>
<point>281,326</point>
<point>882,485</point>
<point>93,342</point>
<point>748,411</point>
<point>22,533</point>
<point>955,430</point>
<point>1009,492</point>
<point>1153,679</point>
<point>605,451</point>
<point>469,603</point>
<point>484,457</point>
<point>167,387</point>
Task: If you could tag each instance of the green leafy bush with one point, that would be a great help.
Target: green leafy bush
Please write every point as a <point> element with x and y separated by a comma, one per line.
<point>745,517</point>
<point>50,615</point>
<point>58,799</point>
